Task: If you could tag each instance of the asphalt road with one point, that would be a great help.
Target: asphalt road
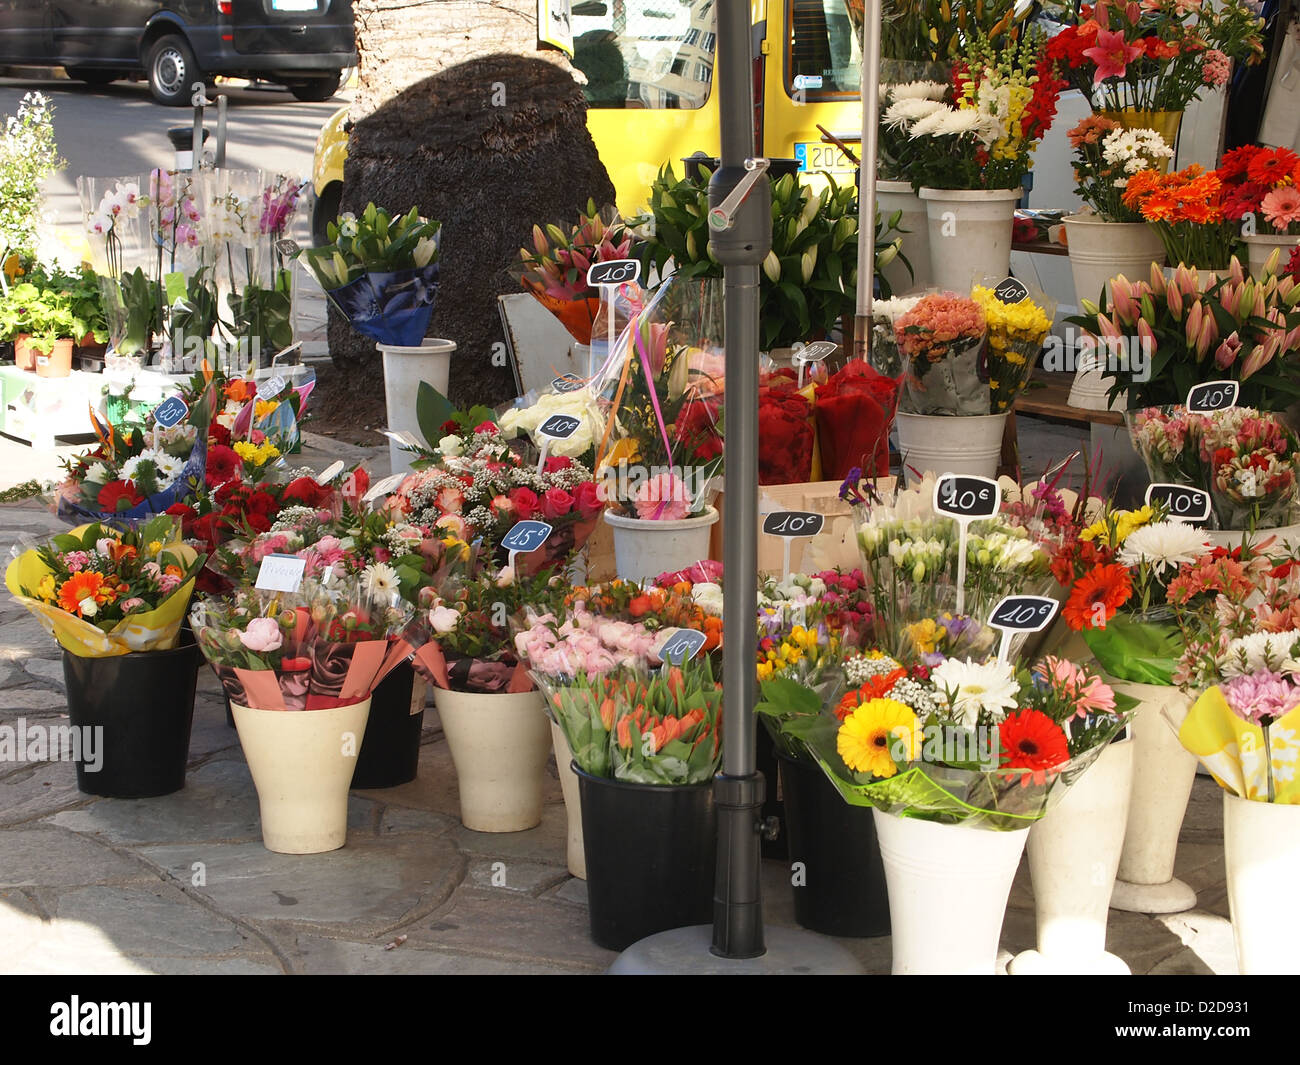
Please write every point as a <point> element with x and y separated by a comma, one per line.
<point>119,130</point>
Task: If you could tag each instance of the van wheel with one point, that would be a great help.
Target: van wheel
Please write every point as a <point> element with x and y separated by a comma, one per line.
<point>325,211</point>
<point>318,89</point>
<point>172,69</point>
<point>91,76</point>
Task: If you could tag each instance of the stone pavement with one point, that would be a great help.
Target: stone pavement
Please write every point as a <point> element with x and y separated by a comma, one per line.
<point>182,884</point>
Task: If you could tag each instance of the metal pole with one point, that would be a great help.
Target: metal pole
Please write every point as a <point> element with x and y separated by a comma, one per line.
<point>741,236</point>
<point>867,177</point>
<point>220,161</point>
<point>199,99</point>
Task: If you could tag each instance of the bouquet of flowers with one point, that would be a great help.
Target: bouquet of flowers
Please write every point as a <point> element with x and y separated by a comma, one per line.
<point>900,106</point>
<point>1016,332</point>
<point>854,409</point>
<point>1238,615</point>
<point>381,272</point>
<point>555,271</point>
<point>941,340</point>
<point>785,430</point>
<point>102,592</point>
<point>1157,56</point>
<point>1106,156</point>
<point>1186,209</point>
<point>1161,337</point>
<point>327,645</point>
<point>526,417</point>
<point>964,741</point>
<point>1259,189</point>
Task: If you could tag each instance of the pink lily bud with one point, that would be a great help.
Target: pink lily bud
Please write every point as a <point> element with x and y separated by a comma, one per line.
<point>582,263</point>
<point>1230,298</point>
<point>1192,327</point>
<point>1146,338</point>
<point>1174,297</point>
<point>1208,334</point>
<point>1108,329</point>
<point>1133,10</point>
<point>1187,280</point>
<point>1121,288</point>
<point>539,241</point>
<point>1157,280</point>
<point>1261,356</point>
<point>1235,271</point>
<point>1122,302</point>
<point>1226,353</point>
<point>1102,14</point>
<point>1259,302</point>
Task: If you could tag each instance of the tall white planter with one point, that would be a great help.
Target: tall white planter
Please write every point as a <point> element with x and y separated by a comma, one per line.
<point>1163,774</point>
<point>1073,855</point>
<point>968,443</point>
<point>499,745</point>
<point>575,856</point>
<point>894,196</point>
<point>970,234</point>
<point>404,369</point>
<point>1261,844</point>
<point>302,763</point>
<point>948,888</point>
<point>1259,247</point>
<point>643,549</point>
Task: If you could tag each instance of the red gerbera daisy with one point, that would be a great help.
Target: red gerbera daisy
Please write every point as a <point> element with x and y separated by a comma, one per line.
<point>118,495</point>
<point>1101,591</point>
<point>224,465</point>
<point>1273,167</point>
<point>1029,739</point>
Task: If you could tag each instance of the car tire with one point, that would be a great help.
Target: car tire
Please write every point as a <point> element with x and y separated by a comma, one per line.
<point>172,70</point>
<point>316,90</point>
<point>91,76</point>
<point>325,211</point>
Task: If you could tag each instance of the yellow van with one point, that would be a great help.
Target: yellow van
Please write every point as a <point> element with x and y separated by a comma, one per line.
<point>652,99</point>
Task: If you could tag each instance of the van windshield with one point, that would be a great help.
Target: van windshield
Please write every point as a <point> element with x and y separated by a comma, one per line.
<point>824,59</point>
<point>645,53</point>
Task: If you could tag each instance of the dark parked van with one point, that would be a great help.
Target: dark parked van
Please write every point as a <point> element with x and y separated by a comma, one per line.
<point>304,44</point>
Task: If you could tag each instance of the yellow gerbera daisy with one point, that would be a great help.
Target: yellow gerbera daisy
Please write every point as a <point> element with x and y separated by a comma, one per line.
<point>874,732</point>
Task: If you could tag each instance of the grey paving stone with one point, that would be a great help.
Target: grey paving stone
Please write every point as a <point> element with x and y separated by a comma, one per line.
<point>396,820</point>
<point>499,924</point>
<point>1203,822</point>
<point>36,790</point>
<point>14,702</point>
<point>525,878</point>
<point>366,887</point>
<point>573,891</point>
<point>1208,936</point>
<point>315,955</point>
<point>44,855</point>
<point>545,843</point>
<point>46,669</point>
<point>434,787</point>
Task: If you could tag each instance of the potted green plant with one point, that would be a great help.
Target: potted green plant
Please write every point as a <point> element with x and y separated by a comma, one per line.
<point>41,323</point>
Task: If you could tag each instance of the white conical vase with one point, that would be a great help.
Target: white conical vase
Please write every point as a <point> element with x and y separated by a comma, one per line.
<point>1261,846</point>
<point>1163,774</point>
<point>892,196</point>
<point>404,369</point>
<point>948,887</point>
<point>575,856</point>
<point>1073,855</point>
<point>970,234</point>
<point>643,548</point>
<point>302,763</point>
<point>499,745</point>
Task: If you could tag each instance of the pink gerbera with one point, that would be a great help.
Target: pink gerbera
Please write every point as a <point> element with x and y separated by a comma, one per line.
<point>1281,207</point>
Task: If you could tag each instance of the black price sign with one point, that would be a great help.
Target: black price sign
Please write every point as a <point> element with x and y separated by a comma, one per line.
<point>559,426</point>
<point>966,496</point>
<point>1210,396</point>
<point>681,646</point>
<point>1010,290</point>
<point>1023,613</point>
<point>1182,502</point>
<point>793,523</point>
<point>526,536</point>
<point>568,382</point>
<point>613,272</point>
<point>171,411</point>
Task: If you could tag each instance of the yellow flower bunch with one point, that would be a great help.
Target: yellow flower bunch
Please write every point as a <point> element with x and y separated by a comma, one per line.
<point>1116,526</point>
<point>258,454</point>
<point>1016,332</point>
<point>263,407</point>
<point>797,646</point>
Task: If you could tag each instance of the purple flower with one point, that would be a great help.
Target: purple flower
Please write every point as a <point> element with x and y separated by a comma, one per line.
<point>1261,697</point>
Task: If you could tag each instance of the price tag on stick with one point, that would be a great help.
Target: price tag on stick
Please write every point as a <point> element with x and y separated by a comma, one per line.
<point>607,276</point>
<point>1010,291</point>
<point>1210,396</point>
<point>788,524</point>
<point>171,411</point>
<point>1021,613</point>
<point>568,382</point>
<point>680,646</point>
<point>281,573</point>
<point>273,386</point>
<point>525,536</point>
<point>965,497</point>
<point>809,353</point>
<point>1182,501</point>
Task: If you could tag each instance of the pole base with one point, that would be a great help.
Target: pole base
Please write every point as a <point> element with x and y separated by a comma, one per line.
<point>686,951</point>
<point>1173,896</point>
<point>1032,963</point>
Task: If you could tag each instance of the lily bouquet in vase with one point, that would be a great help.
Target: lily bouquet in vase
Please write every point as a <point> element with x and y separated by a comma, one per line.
<point>327,645</point>
<point>380,271</point>
<point>103,592</point>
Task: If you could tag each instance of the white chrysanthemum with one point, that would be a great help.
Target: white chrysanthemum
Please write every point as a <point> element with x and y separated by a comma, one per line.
<point>892,309</point>
<point>1164,545</point>
<point>708,597</point>
<point>931,125</point>
<point>973,687</point>
<point>380,579</point>
<point>903,113</point>
<point>1259,650</point>
<point>966,120</point>
<point>99,473</point>
<point>918,90</point>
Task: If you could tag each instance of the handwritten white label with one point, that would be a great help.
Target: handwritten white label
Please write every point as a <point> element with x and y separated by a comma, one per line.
<point>281,573</point>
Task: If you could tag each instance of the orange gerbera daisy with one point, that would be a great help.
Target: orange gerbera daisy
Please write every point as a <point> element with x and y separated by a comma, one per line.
<point>1139,185</point>
<point>1274,167</point>
<point>80,587</point>
<point>1096,596</point>
<point>1158,206</point>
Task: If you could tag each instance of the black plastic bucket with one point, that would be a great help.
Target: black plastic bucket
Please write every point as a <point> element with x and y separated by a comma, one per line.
<point>390,750</point>
<point>836,871</point>
<point>142,706</point>
<point>650,857</point>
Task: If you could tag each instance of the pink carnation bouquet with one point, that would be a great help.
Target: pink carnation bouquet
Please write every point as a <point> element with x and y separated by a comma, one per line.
<point>941,340</point>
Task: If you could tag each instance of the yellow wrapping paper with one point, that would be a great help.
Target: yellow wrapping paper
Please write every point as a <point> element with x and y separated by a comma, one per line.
<point>1233,750</point>
<point>155,630</point>
<point>809,392</point>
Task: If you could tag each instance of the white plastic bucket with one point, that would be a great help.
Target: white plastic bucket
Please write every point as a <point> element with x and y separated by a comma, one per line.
<point>404,369</point>
<point>969,443</point>
<point>643,549</point>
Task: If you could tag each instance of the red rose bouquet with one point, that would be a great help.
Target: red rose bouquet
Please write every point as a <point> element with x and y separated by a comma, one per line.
<point>854,409</point>
<point>785,431</point>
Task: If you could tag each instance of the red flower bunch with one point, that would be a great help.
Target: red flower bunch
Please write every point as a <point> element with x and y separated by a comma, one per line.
<point>785,432</point>
<point>854,410</point>
<point>1261,184</point>
<point>1029,739</point>
<point>697,429</point>
<point>223,465</point>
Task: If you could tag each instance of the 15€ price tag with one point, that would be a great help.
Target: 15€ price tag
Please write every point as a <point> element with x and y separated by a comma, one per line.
<point>281,573</point>
<point>525,536</point>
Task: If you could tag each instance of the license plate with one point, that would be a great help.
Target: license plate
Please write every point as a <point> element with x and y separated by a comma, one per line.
<point>826,158</point>
<point>293,5</point>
